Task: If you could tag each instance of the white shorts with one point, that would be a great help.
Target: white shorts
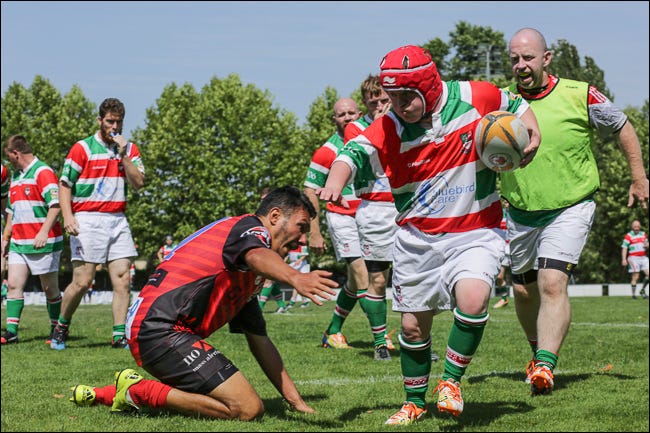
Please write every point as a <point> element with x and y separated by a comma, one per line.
<point>103,237</point>
<point>637,264</point>
<point>38,264</point>
<point>377,227</point>
<point>344,234</point>
<point>562,239</point>
<point>426,267</point>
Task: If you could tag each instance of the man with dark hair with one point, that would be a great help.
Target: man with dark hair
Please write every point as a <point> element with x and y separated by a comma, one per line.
<point>33,235</point>
<point>93,200</point>
<point>212,279</point>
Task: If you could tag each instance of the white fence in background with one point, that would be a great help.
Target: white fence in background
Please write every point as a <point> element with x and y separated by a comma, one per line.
<point>106,297</point>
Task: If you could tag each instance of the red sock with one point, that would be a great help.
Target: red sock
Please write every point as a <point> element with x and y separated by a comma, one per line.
<point>105,395</point>
<point>149,393</point>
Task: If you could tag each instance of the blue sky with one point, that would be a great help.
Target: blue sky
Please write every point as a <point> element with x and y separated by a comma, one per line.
<point>132,50</point>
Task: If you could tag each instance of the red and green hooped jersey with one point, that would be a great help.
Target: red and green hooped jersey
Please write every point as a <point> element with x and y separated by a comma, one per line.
<point>31,194</point>
<point>635,243</point>
<point>166,249</point>
<point>378,189</point>
<point>438,182</point>
<point>95,173</point>
<point>319,168</point>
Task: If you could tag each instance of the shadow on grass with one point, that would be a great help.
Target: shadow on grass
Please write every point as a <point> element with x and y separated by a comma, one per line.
<point>561,381</point>
<point>479,414</point>
<point>277,408</point>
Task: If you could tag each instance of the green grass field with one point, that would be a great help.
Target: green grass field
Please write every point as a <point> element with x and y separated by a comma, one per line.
<point>601,378</point>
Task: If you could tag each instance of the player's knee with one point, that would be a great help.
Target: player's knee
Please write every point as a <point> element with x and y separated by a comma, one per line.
<point>80,285</point>
<point>251,411</point>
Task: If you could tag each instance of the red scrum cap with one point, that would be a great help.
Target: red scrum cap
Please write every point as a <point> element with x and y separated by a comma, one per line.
<point>411,68</point>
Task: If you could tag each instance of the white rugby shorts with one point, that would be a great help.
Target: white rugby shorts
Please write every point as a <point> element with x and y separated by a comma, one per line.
<point>344,234</point>
<point>377,228</point>
<point>103,237</point>
<point>637,264</point>
<point>426,267</point>
<point>562,239</point>
<point>38,264</point>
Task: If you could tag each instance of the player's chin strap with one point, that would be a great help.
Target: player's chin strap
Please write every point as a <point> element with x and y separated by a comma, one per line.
<point>430,113</point>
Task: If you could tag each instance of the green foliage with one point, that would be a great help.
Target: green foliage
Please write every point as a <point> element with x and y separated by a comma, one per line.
<point>49,122</point>
<point>600,375</point>
<point>477,50</point>
<point>439,51</point>
<point>566,64</point>
<point>601,258</point>
<point>208,154</point>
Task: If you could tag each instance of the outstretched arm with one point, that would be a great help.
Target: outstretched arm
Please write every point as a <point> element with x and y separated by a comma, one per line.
<point>629,143</point>
<point>338,177</point>
<point>311,285</point>
<point>270,361</point>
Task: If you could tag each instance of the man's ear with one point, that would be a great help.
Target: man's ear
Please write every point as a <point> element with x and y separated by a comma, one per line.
<point>275,215</point>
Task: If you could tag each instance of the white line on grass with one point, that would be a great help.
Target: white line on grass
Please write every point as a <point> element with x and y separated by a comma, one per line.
<point>394,378</point>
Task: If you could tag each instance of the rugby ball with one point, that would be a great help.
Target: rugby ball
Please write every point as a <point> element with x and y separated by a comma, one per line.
<point>500,139</point>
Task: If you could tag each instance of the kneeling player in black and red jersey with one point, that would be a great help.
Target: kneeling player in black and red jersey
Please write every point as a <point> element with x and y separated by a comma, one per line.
<point>212,278</point>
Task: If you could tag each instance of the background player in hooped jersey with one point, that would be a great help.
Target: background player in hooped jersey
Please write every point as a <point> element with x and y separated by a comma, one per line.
<point>4,194</point>
<point>299,260</point>
<point>33,234</point>
<point>93,200</point>
<point>341,224</point>
<point>447,252</point>
<point>4,191</point>
<point>376,222</point>
<point>166,248</point>
<point>633,256</point>
<point>211,279</point>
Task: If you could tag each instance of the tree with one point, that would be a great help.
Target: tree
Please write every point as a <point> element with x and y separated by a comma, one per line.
<point>601,258</point>
<point>566,64</point>
<point>208,154</point>
<point>49,122</point>
<point>479,53</point>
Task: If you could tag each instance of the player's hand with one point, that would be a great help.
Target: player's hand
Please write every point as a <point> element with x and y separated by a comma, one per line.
<point>71,226</point>
<point>328,194</point>
<point>299,406</point>
<point>121,142</point>
<point>314,285</point>
<point>529,152</point>
<point>40,240</point>
<point>639,192</point>
<point>385,109</point>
